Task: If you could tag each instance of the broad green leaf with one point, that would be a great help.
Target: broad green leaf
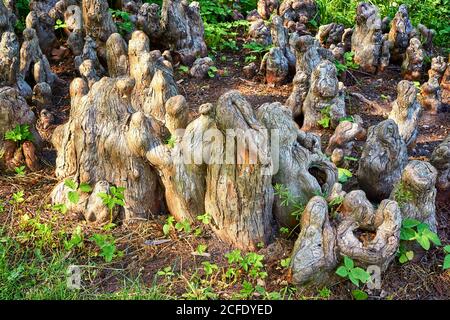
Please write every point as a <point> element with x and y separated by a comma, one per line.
<point>360,274</point>
<point>359,295</point>
<point>407,234</point>
<point>353,280</point>
<point>424,242</point>
<point>70,184</point>
<point>432,236</point>
<point>410,223</point>
<point>446,262</point>
<point>84,187</point>
<point>342,272</point>
<point>402,259</point>
<point>348,263</point>
<point>447,249</point>
<point>73,196</point>
<point>166,229</point>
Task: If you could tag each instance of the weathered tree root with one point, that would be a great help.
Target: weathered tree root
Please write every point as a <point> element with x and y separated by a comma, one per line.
<point>344,137</point>
<point>321,245</point>
<point>309,54</point>
<point>302,167</point>
<point>406,112</point>
<point>431,93</point>
<point>440,159</point>
<point>14,111</point>
<point>415,193</point>
<point>382,161</point>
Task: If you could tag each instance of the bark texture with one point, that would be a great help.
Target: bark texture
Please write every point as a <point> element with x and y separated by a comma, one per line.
<point>416,193</point>
<point>44,26</point>
<point>201,67</point>
<point>279,62</point>
<point>440,159</point>
<point>412,66</point>
<point>325,97</point>
<point>266,8</point>
<point>117,56</point>
<point>329,34</point>
<point>302,167</point>
<point>400,34</point>
<point>382,161</point>
<point>309,54</point>
<point>183,29</point>
<point>342,141</point>
<point>431,93</point>
<point>367,38</point>
<point>239,194</point>
<point>406,112</point>
<point>445,85</point>
<point>106,142</point>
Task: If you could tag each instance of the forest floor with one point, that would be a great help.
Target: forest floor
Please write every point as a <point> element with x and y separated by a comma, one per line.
<point>183,274</point>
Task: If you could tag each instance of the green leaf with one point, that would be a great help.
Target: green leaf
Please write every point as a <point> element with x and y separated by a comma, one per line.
<point>359,295</point>
<point>342,272</point>
<point>407,234</point>
<point>446,262</point>
<point>73,196</point>
<point>84,187</point>
<point>70,184</point>
<point>344,175</point>
<point>402,259</point>
<point>349,264</point>
<point>166,229</point>
<point>433,237</point>
<point>353,280</point>
<point>410,223</point>
<point>424,242</point>
<point>360,274</point>
<point>447,249</point>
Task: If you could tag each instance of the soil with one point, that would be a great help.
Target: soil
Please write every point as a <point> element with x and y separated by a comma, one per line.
<point>421,279</point>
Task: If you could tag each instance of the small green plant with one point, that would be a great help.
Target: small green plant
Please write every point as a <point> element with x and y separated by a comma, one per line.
<point>285,262</point>
<point>446,264</point>
<point>209,267</point>
<point>287,199</point>
<point>204,218</point>
<point>61,207</point>
<point>122,21</point>
<point>354,274</point>
<point>59,24</point>
<point>76,239</point>
<point>20,171</point>
<point>166,272</point>
<point>347,158</point>
<point>19,134</point>
<point>106,244</point>
<point>344,175</point>
<point>74,194</point>
<point>348,63</point>
<point>284,230</point>
<point>257,48</point>
<point>183,69</point>
<point>183,226</point>
<point>171,141</point>
<point>325,293</point>
<point>18,197</point>
<point>325,119</point>
<point>359,295</point>
<point>212,71</point>
<point>114,198</point>
<point>201,249</point>
<point>250,58</point>
<point>414,230</point>
<point>168,225</point>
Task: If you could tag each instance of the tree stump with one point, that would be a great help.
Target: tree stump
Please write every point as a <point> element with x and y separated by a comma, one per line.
<point>431,94</point>
<point>412,66</point>
<point>400,34</point>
